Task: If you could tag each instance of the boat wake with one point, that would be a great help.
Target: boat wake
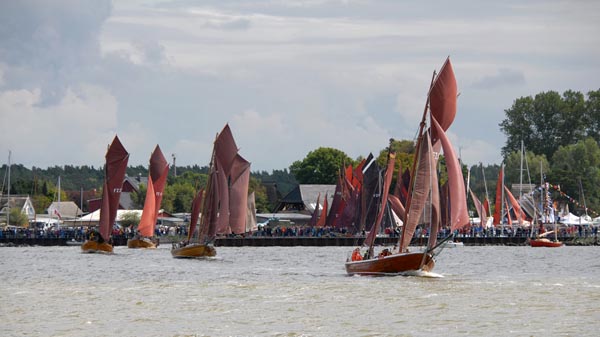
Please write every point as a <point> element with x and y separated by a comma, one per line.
<point>421,273</point>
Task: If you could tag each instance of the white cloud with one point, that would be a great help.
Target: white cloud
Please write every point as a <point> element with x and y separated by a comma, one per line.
<point>74,131</point>
<point>288,76</point>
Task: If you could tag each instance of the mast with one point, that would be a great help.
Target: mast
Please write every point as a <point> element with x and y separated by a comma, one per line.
<point>8,193</point>
<point>502,201</point>
<point>484,182</point>
<point>583,197</point>
<point>521,174</point>
<point>415,160</point>
<point>58,205</point>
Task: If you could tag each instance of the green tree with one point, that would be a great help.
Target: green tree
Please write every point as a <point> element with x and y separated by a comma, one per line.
<point>531,161</point>
<point>320,166</point>
<point>593,116</point>
<point>548,121</point>
<point>18,218</point>
<point>576,168</point>
<point>130,219</point>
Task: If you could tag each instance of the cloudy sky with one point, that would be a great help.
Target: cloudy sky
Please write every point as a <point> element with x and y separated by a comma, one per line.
<point>288,76</point>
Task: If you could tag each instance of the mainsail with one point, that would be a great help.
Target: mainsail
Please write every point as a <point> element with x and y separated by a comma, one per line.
<point>114,174</point>
<point>459,215</point>
<point>499,194</point>
<point>157,178</point>
<point>195,214</point>
<point>148,220</point>
<point>381,207</point>
<point>225,206</point>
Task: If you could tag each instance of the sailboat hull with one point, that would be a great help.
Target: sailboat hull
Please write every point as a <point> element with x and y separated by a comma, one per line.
<point>142,243</point>
<point>392,264</point>
<point>194,251</point>
<point>96,247</point>
<point>544,243</point>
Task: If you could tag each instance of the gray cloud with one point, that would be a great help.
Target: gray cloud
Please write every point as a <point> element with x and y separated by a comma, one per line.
<point>504,77</point>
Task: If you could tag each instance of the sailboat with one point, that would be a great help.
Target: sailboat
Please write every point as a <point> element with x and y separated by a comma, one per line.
<point>223,205</point>
<point>114,173</point>
<point>157,178</point>
<point>423,200</point>
<point>548,215</point>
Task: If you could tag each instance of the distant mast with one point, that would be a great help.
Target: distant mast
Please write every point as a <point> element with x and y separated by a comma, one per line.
<point>8,194</point>
<point>58,205</point>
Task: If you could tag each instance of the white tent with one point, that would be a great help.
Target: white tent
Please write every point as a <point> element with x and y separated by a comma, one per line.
<point>93,218</point>
<point>572,220</point>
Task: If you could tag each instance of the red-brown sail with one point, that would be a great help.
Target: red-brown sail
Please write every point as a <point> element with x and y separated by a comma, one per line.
<point>397,206</point>
<point>515,205</point>
<point>479,208</point>
<point>238,194</point>
<point>195,213</point>
<point>323,215</point>
<point>387,181</point>
<point>420,191</point>
<point>442,99</point>
<point>315,214</point>
<point>159,171</point>
<point>225,148</point>
<point>114,174</point>
<point>459,215</point>
<point>498,208</point>
<point>148,220</point>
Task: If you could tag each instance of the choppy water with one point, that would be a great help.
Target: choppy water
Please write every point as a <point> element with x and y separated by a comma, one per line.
<point>296,291</point>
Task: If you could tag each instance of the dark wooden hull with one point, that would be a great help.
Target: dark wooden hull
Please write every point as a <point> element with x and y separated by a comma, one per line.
<point>545,243</point>
<point>392,264</point>
<point>91,246</point>
<point>193,250</point>
<point>142,243</point>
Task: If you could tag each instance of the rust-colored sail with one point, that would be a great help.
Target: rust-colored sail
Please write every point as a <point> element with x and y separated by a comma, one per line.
<point>337,206</point>
<point>157,179</point>
<point>323,215</point>
<point>238,194</point>
<point>315,214</point>
<point>195,214</point>
<point>459,215</point>
<point>397,206</point>
<point>114,174</point>
<point>508,217</point>
<point>159,171</point>
<point>148,220</point>
<point>225,148</point>
<point>479,208</point>
<point>387,181</point>
<point>442,99</point>
<point>420,191</point>
<point>498,208</point>
<point>486,206</point>
<point>515,205</point>
<point>222,202</point>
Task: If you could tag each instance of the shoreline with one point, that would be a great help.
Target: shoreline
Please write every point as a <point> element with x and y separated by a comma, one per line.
<point>309,241</point>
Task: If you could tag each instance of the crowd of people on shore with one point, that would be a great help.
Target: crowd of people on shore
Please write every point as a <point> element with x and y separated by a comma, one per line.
<point>83,232</point>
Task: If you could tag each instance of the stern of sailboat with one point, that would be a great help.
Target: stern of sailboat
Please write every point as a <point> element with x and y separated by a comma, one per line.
<point>91,246</point>
<point>392,264</point>
<point>194,251</point>
<point>141,243</point>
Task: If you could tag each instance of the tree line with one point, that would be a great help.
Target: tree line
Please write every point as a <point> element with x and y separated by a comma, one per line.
<point>560,135</point>
<point>82,183</point>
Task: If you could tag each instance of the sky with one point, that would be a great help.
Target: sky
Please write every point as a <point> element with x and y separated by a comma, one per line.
<point>288,76</point>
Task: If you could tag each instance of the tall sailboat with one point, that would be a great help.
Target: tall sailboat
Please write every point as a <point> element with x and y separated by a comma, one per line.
<point>423,200</point>
<point>547,217</point>
<point>224,202</point>
<point>157,179</point>
<point>114,173</point>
